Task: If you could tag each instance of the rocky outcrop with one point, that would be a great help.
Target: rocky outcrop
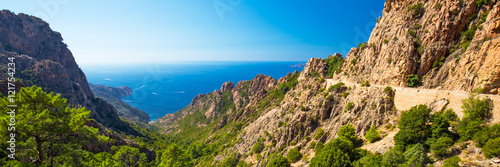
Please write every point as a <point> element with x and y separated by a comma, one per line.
<point>43,59</point>
<point>449,44</point>
<point>228,86</point>
<point>112,95</point>
<point>115,92</point>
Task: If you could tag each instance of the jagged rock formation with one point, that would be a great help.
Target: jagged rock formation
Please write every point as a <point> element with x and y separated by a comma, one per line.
<point>112,95</point>
<point>451,45</point>
<point>42,59</point>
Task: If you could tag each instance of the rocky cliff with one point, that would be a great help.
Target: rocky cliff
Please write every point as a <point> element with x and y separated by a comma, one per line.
<point>43,59</point>
<point>451,45</point>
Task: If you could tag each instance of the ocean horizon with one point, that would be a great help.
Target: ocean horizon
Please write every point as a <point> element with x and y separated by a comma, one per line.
<point>160,89</point>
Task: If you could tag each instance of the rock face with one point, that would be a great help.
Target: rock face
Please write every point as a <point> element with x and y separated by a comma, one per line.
<point>115,92</point>
<point>451,45</point>
<point>42,59</point>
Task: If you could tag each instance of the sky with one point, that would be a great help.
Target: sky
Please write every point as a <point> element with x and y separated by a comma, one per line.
<point>162,31</point>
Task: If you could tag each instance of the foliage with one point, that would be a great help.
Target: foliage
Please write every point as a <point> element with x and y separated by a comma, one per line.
<point>438,63</point>
<point>413,80</point>
<point>229,162</point>
<point>372,135</point>
<point>365,83</point>
<point>129,156</point>
<point>42,121</point>
<point>319,134</point>
<point>441,123</point>
<point>294,155</point>
<point>319,147</point>
<point>278,161</point>
<point>440,147</point>
<point>279,93</point>
<point>492,148</point>
<point>371,160</point>
<point>480,3</point>
<point>337,87</point>
<point>416,10</point>
<point>413,126</point>
<point>452,162</point>
<point>258,147</point>
<point>174,156</point>
<point>345,94</point>
<point>416,155</point>
<point>338,152</point>
<point>302,108</point>
<point>412,33</point>
<point>468,127</point>
<point>388,90</point>
<point>392,158</point>
<point>334,65</point>
<point>349,106</point>
<point>362,45</point>
<point>348,132</point>
<point>485,134</point>
<point>475,107</point>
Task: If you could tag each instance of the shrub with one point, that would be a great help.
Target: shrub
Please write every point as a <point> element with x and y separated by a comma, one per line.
<point>362,45</point>
<point>302,108</point>
<point>438,63</point>
<point>413,126</point>
<point>294,155</point>
<point>334,65</point>
<point>365,83</point>
<point>348,132</point>
<point>388,90</point>
<point>386,41</point>
<point>319,147</point>
<point>417,26</point>
<point>492,148</point>
<point>412,33</point>
<point>440,147</point>
<point>349,106</point>
<point>278,161</point>
<point>416,155</point>
<point>336,87</point>
<point>452,162</point>
<point>258,147</point>
<point>372,135</point>
<point>338,152</point>
<point>312,145</point>
<point>480,3</point>
<point>475,107</point>
<point>229,162</point>
<point>345,94</point>
<point>486,134</point>
<point>319,134</point>
<point>370,160</point>
<point>416,10</point>
<point>392,157</point>
<point>468,127</point>
<point>412,80</point>
<point>441,123</point>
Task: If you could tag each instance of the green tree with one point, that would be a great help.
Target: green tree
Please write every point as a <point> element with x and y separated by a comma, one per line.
<point>413,126</point>
<point>43,120</point>
<point>294,155</point>
<point>492,148</point>
<point>174,156</point>
<point>130,156</point>
<point>393,157</point>
<point>338,152</point>
<point>278,161</point>
<point>416,156</point>
<point>371,160</point>
<point>486,134</point>
<point>348,132</point>
<point>229,162</point>
<point>319,134</point>
<point>103,159</point>
<point>372,135</point>
<point>441,123</point>
<point>258,147</point>
<point>440,147</point>
<point>475,107</point>
<point>468,127</point>
<point>452,162</point>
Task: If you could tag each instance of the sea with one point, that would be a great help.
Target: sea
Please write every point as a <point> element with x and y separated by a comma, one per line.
<point>159,89</point>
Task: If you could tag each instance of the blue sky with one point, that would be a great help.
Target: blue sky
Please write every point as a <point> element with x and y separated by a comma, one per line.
<point>154,31</point>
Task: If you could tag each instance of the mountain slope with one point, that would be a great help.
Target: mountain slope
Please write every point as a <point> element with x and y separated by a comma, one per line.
<point>42,59</point>
<point>112,95</point>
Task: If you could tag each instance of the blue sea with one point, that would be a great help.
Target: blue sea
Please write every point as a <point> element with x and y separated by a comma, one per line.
<point>159,89</point>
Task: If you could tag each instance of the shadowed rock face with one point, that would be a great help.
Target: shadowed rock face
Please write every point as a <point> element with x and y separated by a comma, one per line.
<point>43,59</point>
